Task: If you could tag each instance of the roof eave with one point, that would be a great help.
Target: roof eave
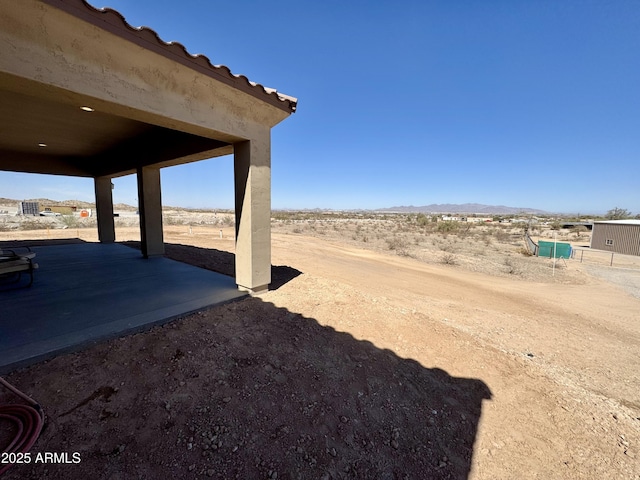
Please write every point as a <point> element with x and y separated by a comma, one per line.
<point>115,23</point>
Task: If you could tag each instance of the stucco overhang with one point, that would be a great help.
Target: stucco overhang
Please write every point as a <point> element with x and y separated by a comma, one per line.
<point>153,102</point>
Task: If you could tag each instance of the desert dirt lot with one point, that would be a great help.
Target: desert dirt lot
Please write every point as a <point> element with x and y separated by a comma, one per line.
<point>386,351</point>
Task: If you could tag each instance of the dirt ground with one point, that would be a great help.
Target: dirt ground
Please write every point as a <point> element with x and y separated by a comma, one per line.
<point>377,358</point>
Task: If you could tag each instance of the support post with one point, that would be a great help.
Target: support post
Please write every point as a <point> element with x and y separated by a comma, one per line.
<point>252,177</point>
<point>150,210</point>
<point>104,209</point>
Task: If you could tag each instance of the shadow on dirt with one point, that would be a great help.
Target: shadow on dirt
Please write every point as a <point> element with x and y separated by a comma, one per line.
<point>219,261</point>
<point>249,390</point>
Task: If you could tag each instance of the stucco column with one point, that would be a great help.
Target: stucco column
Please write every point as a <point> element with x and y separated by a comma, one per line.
<point>252,174</point>
<point>150,210</point>
<point>104,209</point>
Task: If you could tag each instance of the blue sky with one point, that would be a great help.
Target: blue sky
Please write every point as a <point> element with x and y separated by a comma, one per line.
<point>519,103</point>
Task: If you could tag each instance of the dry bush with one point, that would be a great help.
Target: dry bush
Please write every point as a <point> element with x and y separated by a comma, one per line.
<point>398,245</point>
<point>422,220</point>
<point>7,227</point>
<point>429,227</point>
<point>446,247</point>
<point>512,268</point>
<point>173,220</point>
<point>465,229</point>
<point>448,226</point>
<point>578,230</point>
<point>34,225</point>
<point>449,259</point>
<point>227,221</point>
<point>501,235</point>
<point>525,251</point>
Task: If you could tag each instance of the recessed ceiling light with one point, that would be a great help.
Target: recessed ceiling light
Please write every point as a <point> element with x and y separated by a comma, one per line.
<point>87,109</point>
<point>42,144</point>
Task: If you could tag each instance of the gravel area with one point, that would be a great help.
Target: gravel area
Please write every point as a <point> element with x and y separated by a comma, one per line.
<point>626,278</point>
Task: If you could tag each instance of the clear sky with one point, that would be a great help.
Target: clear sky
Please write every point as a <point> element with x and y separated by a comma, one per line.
<point>521,103</point>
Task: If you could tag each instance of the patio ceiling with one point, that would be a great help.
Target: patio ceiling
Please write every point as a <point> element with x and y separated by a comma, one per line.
<point>44,135</point>
<point>152,102</point>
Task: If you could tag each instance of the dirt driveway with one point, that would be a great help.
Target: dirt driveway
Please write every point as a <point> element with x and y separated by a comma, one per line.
<point>363,365</point>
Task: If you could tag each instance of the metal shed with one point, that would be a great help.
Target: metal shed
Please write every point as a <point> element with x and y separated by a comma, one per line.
<point>619,236</point>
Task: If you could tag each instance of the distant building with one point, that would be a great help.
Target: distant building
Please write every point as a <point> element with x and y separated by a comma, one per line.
<point>479,219</point>
<point>62,209</point>
<point>620,236</point>
<point>457,218</point>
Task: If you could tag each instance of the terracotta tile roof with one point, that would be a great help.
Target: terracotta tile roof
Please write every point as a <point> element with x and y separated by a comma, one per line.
<point>114,22</point>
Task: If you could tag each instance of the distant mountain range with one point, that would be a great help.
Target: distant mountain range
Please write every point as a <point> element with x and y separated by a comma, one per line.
<point>476,208</point>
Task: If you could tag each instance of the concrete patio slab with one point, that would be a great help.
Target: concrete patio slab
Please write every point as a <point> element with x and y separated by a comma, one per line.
<point>84,293</point>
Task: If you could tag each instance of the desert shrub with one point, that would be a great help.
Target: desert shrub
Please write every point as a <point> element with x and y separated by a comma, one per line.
<point>396,243</point>
<point>448,226</point>
<point>399,245</point>
<point>578,230</point>
<point>280,215</point>
<point>446,247</point>
<point>422,220</point>
<point>556,225</point>
<point>525,251</point>
<point>512,268</point>
<point>227,221</point>
<point>70,221</point>
<point>429,227</point>
<point>34,225</point>
<point>461,228</point>
<point>449,259</point>
<point>501,235</point>
<point>172,220</point>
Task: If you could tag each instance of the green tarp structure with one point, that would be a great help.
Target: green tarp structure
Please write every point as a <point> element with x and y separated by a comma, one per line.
<point>562,250</point>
